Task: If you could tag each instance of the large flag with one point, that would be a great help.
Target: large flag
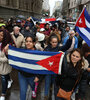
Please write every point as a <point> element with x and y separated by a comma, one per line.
<point>36,62</point>
<point>83,26</point>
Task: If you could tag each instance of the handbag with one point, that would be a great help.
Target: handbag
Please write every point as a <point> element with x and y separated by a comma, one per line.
<point>64,94</point>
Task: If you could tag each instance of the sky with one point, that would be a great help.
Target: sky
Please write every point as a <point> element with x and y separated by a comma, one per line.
<point>52,3</point>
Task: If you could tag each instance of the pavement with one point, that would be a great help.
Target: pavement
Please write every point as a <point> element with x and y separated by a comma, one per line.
<point>13,92</point>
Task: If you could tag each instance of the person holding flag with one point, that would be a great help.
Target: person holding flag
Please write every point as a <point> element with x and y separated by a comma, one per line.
<point>53,46</point>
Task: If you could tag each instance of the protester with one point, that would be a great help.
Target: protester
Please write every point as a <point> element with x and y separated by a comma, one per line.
<point>27,31</point>
<point>66,33</point>
<point>74,40</point>
<point>56,31</point>
<point>5,68</point>
<point>34,29</point>
<point>71,72</point>
<point>17,37</point>
<point>55,36</point>
<point>47,30</point>
<point>79,40</point>
<point>86,52</point>
<point>26,79</point>
<point>54,47</point>
<point>40,44</point>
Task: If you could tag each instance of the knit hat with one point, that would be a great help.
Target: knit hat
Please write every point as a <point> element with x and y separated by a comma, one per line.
<point>40,36</point>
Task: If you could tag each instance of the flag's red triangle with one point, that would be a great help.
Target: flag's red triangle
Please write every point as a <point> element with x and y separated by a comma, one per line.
<point>51,63</point>
<point>81,20</point>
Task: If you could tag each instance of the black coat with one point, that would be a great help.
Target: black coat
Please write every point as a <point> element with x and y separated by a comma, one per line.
<point>68,77</point>
<point>59,48</point>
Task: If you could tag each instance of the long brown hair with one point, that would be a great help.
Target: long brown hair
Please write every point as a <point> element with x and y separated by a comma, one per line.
<point>80,62</point>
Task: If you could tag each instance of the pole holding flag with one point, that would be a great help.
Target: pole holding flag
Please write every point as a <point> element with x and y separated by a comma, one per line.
<point>83,25</point>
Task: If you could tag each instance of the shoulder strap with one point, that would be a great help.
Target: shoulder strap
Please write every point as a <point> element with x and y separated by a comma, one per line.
<point>77,81</point>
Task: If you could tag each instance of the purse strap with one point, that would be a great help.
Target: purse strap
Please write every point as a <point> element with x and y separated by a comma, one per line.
<point>77,82</point>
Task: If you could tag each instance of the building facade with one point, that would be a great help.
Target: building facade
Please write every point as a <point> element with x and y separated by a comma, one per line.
<point>27,8</point>
<point>74,7</point>
<point>58,8</point>
<point>46,5</point>
<point>46,8</point>
<point>65,8</point>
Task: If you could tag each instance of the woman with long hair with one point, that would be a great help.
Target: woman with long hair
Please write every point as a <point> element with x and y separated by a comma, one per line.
<point>5,68</point>
<point>72,68</point>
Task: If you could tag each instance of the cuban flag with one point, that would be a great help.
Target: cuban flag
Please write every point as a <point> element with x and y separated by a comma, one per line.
<point>83,26</point>
<point>36,62</point>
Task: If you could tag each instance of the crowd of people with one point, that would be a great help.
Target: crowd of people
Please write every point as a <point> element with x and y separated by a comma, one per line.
<point>54,38</point>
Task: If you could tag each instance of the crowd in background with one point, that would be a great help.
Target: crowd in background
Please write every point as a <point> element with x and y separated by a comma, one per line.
<point>54,38</point>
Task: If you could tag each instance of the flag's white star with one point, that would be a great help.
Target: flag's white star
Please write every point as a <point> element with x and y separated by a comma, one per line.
<point>50,63</point>
<point>80,21</point>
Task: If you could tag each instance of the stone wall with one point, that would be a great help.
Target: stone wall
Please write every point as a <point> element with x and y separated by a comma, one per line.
<point>27,8</point>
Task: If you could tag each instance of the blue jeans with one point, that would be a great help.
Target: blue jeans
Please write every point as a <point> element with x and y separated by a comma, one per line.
<point>4,80</point>
<point>49,79</point>
<point>24,82</point>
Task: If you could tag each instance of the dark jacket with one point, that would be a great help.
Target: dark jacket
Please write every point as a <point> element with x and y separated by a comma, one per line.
<point>68,77</point>
<point>59,48</point>
<point>34,30</point>
<point>27,33</point>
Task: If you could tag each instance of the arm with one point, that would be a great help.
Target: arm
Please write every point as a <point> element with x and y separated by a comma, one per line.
<point>76,43</point>
<point>65,40</point>
<point>23,42</point>
<point>66,46</point>
<point>3,58</point>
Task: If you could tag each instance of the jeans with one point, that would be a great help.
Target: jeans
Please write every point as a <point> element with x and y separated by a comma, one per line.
<point>49,79</point>
<point>24,82</point>
<point>4,80</point>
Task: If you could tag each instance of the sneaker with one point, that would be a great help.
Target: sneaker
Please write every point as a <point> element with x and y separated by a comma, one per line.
<point>9,83</point>
<point>2,98</point>
<point>33,94</point>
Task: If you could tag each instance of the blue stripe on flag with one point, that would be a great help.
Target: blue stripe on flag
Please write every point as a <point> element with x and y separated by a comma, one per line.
<point>82,35</point>
<point>88,29</point>
<point>22,60</point>
<point>34,51</point>
<point>33,71</point>
<point>87,16</point>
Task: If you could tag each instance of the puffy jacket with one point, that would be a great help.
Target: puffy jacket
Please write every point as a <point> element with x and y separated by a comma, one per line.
<point>69,75</point>
<point>5,68</point>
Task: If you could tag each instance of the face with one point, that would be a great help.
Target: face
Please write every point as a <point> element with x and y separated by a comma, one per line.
<point>29,43</point>
<point>54,42</point>
<point>75,57</point>
<point>27,28</point>
<point>16,30</point>
<point>1,36</point>
<point>72,34</point>
<point>47,26</point>
<point>67,29</point>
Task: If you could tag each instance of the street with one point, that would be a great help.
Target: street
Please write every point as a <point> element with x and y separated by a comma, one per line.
<point>13,92</point>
